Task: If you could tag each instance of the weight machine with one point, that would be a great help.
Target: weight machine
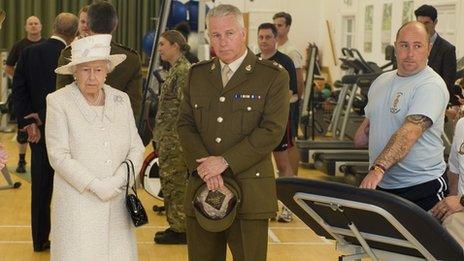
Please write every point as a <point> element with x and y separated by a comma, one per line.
<point>4,92</point>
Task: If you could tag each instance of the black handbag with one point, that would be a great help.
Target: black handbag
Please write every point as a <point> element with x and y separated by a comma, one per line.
<point>134,205</point>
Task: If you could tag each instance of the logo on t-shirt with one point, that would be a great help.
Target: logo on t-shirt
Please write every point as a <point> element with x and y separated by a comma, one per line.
<point>394,108</point>
<point>461,149</point>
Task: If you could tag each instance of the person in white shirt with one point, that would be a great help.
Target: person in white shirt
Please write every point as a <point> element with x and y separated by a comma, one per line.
<point>283,21</point>
<point>451,209</point>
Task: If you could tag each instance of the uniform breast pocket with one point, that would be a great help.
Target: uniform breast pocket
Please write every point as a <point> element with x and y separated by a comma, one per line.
<point>200,107</point>
<point>247,114</point>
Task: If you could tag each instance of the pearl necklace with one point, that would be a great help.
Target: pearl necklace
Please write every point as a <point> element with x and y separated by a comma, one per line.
<point>97,100</point>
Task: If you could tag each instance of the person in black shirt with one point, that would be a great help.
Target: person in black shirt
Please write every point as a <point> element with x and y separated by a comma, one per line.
<point>33,29</point>
<point>267,41</point>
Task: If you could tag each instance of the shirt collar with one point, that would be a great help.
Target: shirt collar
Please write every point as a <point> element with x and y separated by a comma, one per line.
<point>59,39</point>
<point>235,64</point>
<point>433,38</point>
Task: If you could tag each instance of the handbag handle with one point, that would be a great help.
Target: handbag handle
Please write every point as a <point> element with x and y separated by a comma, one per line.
<point>128,176</point>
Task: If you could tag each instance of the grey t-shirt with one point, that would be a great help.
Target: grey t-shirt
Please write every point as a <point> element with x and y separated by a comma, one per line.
<point>391,99</point>
<point>456,157</point>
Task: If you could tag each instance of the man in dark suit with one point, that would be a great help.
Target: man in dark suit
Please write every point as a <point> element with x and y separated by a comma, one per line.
<point>34,78</point>
<point>127,77</point>
<point>442,57</point>
<point>233,114</point>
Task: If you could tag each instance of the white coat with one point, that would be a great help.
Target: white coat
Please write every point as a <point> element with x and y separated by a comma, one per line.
<point>81,147</point>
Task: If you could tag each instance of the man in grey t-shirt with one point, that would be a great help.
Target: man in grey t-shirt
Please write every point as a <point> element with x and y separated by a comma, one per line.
<point>404,124</point>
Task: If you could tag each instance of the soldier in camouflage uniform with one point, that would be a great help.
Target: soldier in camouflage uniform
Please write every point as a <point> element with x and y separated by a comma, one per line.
<point>173,169</point>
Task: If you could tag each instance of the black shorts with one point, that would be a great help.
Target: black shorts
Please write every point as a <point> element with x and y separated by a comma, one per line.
<point>425,195</point>
<point>294,118</point>
<point>287,140</point>
<point>21,137</point>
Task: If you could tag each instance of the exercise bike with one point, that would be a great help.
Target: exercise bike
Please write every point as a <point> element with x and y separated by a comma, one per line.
<point>5,172</point>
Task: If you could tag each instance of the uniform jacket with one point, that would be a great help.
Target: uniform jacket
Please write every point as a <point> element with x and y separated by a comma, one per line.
<point>243,122</point>
<point>82,147</point>
<point>34,79</point>
<point>442,59</point>
<point>126,77</point>
<point>169,101</point>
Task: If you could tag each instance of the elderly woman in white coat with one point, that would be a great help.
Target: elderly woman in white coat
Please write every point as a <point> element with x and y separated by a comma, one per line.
<point>90,132</point>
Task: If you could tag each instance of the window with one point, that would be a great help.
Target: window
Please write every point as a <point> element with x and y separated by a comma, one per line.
<point>446,25</point>
<point>348,23</point>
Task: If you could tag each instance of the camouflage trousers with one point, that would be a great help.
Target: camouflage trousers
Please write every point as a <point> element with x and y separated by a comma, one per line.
<point>173,176</point>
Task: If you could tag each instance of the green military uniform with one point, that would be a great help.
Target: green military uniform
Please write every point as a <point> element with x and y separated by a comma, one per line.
<point>173,170</point>
<point>243,122</point>
<point>126,77</point>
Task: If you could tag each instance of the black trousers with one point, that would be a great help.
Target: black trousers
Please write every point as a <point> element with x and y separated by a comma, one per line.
<point>42,187</point>
<point>425,195</point>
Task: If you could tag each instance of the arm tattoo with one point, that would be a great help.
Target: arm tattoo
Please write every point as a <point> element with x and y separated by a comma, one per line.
<point>423,121</point>
<point>403,139</point>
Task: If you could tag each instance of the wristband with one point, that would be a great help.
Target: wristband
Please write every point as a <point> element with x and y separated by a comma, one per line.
<point>378,167</point>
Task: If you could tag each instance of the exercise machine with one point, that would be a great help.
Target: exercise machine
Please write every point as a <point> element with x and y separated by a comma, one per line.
<point>5,92</point>
<point>10,183</point>
<point>330,155</point>
<point>367,223</point>
<point>150,169</point>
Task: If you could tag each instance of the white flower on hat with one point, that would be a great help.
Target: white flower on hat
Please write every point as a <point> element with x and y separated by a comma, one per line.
<point>91,48</point>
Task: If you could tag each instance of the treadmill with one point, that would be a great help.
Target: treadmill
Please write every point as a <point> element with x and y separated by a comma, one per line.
<point>331,162</point>
<point>338,143</point>
<point>331,155</point>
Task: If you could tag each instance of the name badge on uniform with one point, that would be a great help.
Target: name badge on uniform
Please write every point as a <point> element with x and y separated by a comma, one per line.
<point>247,96</point>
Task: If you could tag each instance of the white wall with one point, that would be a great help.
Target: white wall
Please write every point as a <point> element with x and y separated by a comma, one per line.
<point>309,23</point>
<point>337,9</point>
<point>306,14</point>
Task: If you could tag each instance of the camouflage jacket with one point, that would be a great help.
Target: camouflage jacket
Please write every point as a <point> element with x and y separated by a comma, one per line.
<point>169,101</point>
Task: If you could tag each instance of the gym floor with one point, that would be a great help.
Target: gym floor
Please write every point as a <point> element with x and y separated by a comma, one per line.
<point>292,241</point>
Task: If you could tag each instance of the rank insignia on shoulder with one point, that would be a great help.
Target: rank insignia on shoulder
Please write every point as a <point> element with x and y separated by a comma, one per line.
<point>213,66</point>
<point>247,96</point>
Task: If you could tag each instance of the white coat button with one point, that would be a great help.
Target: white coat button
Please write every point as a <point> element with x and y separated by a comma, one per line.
<point>220,119</point>
<point>108,161</point>
<point>218,140</point>
<point>248,108</point>
<point>222,99</point>
<point>257,174</point>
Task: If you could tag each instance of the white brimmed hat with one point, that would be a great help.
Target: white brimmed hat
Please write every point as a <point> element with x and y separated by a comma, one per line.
<point>91,48</point>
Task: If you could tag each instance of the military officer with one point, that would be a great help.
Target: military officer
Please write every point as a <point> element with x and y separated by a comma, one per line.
<point>127,77</point>
<point>233,114</point>
<point>173,171</point>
